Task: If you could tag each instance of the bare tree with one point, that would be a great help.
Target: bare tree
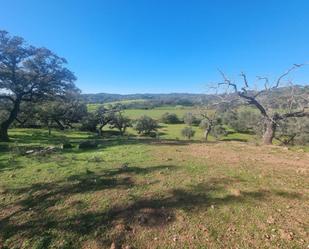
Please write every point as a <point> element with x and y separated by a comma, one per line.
<point>297,102</point>
<point>209,120</point>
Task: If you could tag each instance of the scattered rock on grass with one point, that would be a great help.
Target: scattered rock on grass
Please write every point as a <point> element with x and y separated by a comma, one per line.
<point>270,220</point>
<point>286,235</point>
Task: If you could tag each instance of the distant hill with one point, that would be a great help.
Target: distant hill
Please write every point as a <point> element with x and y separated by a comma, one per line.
<point>148,100</point>
<point>176,98</point>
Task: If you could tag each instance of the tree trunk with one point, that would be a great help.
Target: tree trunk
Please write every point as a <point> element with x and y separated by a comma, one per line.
<point>206,133</point>
<point>100,130</point>
<point>4,136</point>
<point>269,133</point>
<point>5,125</point>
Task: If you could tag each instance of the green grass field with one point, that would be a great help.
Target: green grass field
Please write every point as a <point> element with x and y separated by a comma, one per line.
<point>151,193</point>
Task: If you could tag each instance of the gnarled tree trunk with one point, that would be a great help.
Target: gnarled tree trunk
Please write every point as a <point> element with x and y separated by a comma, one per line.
<point>206,133</point>
<point>5,125</point>
<point>270,129</point>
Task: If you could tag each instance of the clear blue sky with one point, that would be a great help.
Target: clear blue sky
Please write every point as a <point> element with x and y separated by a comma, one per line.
<point>129,46</point>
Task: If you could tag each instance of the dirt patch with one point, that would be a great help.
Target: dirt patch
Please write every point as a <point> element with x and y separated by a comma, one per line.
<point>238,153</point>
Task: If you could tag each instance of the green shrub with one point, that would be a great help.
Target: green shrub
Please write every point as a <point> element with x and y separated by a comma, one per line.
<point>146,125</point>
<point>170,118</point>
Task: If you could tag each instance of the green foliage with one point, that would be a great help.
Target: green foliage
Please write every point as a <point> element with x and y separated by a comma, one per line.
<point>146,125</point>
<point>243,120</point>
<point>120,122</point>
<point>187,132</point>
<point>28,73</point>
<point>293,131</point>
<point>218,131</point>
<point>170,118</point>
<point>89,122</point>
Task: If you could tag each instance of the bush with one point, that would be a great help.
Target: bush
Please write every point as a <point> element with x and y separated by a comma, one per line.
<point>242,121</point>
<point>187,132</point>
<point>89,123</point>
<point>170,118</point>
<point>293,131</point>
<point>146,125</point>
<point>218,131</point>
<point>120,122</point>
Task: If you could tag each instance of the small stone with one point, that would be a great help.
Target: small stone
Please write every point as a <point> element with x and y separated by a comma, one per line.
<point>113,246</point>
<point>270,220</point>
<point>124,166</point>
<point>142,220</point>
<point>212,206</point>
<point>155,238</point>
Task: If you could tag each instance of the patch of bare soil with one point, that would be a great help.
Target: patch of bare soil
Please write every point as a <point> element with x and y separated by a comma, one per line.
<point>235,153</point>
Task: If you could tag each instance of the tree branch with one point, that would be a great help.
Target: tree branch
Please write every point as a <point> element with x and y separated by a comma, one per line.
<point>7,97</point>
<point>295,66</point>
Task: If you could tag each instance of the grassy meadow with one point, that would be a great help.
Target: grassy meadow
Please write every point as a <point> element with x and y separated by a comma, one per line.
<point>138,192</point>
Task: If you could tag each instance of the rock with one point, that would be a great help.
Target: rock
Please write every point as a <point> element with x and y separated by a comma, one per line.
<point>169,218</point>
<point>87,145</point>
<point>113,246</point>
<point>270,220</point>
<point>124,166</point>
<point>142,220</point>
<point>127,247</point>
<point>235,192</point>
<point>286,235</point>
<point>28,152</point>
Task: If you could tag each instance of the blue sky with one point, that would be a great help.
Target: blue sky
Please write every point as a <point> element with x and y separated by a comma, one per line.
<point>130,46</point>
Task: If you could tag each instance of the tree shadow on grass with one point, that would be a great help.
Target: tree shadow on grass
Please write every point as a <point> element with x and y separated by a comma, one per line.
<point>38,136</point>
<point>40,205</point>
<point>9,165</point>
<point>234,139</point>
